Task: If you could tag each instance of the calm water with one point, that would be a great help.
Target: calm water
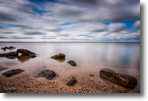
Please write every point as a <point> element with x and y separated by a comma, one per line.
<point>90,57</point>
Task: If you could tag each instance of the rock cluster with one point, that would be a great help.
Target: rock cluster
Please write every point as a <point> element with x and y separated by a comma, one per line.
<point>22,51</point>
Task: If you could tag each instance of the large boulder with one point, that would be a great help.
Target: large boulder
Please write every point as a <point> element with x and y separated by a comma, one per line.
<point>72,81</point>
<point>59,56</point>
<point>73,63</point>
<point>12,72</point>
<point>26,52</point>
<point>48,74</point>
<point>120,79</point>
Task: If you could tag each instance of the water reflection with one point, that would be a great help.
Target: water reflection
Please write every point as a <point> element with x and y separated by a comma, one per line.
<point>60,60</point>
<point>23,58</point>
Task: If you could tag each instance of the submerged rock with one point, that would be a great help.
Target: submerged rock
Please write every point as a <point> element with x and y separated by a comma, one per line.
<point>48,74</point>
<point>12,72</point>
<point>26,52</point>
<point>72,81</point>
<point>92,75</point>
<point>10,48</point>
<point>120,79</point>
<point>73,63</point>
<point>59,56</point>
<point>8,54</point>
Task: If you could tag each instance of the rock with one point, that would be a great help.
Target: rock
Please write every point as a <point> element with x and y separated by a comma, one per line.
<point>72,81</point>
<point>8,54</point>
<point>48,74</point>
<point>92,75</point>
<point>120,79</point>
<point>4,48</point>
<point>2,68</point>
<point>12,72</point>
<point>59,56</point>
<point>11,47</point>
<point>26,52</point>
<point>73,63</point>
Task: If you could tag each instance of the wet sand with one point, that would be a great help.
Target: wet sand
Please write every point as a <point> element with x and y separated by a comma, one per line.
<point>25,83</point>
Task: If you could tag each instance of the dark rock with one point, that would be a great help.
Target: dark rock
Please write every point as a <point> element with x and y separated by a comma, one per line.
<point>73,63</point>
<point>26,52</point>
<point>72,81</point>
<point>59,56</point>
<point>11,47</point>
<point>120,79</point>
<point>4,48</point>
<point>8,54</point>
<point>48,74</point>
<point>12,72</point>
<point>2,68</point>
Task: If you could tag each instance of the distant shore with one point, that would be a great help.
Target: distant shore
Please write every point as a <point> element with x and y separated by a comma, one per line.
<point>59,42</point>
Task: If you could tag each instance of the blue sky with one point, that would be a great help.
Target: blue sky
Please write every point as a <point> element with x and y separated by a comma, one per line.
<point>70,20</point>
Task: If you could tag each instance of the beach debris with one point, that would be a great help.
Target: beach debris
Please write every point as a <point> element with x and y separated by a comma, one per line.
<point>72,81</point>
<point>48,74</point>
<point>10,48</point>
<point>12,72</point>
<point>59,56</point>
<point>73,63</point>
<point>92,75</point>
<point>26,52</point>
<point>2,68</point>
<point>120,79</point>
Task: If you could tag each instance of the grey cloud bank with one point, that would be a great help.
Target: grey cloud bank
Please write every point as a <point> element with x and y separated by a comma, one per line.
<point>82,20</point>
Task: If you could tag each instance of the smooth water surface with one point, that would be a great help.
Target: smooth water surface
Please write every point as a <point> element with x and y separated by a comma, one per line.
<point>90,58</point>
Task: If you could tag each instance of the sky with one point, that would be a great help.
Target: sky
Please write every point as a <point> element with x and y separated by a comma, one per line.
<point>70,20</point>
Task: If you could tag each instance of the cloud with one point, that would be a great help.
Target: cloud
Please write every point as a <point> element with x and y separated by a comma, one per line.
<point>88,19</point>
<point>115,27</point>
<point>34,33</point>
<point>137,24</point>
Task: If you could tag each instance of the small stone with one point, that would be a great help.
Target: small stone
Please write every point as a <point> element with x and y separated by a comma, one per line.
<point>92,75</point>
<point>73,63</point>
<point>72,81</point>
<point>48,74</point>
<point>59,56</point>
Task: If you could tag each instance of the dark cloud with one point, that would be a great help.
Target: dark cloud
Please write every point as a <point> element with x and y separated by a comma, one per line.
<point>7,17</point>
<point>34,33</point>
<point>17,37</point>
<point>3,37</point>
<point>93,2</point>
